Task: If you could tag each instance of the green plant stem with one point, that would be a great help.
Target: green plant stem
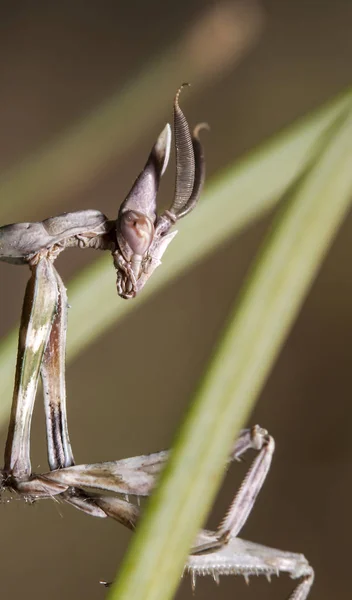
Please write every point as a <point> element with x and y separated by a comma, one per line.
<point>243,193</point>
<point>278,285</point>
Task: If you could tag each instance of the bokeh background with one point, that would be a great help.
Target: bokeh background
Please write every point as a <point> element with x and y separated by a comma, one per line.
<point>254,69</point>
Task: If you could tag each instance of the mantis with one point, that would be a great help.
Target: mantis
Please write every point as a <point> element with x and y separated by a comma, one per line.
<point>137,240</point>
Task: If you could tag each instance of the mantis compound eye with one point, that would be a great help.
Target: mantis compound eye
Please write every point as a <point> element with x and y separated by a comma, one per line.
<point>137,230</point>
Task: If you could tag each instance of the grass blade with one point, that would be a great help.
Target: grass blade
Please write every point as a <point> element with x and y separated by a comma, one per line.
<point>278,284</point>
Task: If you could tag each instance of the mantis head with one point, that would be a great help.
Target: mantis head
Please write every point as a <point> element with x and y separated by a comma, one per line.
<point>141,235</point>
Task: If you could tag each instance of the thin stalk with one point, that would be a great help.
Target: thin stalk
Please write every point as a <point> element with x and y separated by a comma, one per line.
<point>278,284</point>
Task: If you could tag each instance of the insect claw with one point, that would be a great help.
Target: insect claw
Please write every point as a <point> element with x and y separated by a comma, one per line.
<point>246,578</point>
<point>216,577</point>
<point>193,581</point>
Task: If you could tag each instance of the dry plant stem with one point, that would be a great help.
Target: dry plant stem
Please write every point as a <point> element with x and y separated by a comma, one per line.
<point>243,194</point>
<point>267,308</point>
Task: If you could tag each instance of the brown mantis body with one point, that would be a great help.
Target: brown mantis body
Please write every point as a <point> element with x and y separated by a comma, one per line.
<point>137,240</point>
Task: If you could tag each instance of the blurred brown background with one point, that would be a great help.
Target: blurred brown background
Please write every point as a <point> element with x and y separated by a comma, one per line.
<point>128,392</point>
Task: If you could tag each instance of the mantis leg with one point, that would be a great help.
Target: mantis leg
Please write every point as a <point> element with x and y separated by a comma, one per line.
<point>240,557</point>
<point>102,506</point>
<point>131,476</point>
<point>60,454</point>
<point>37,315</point>
<point>223,553</point>
<point>54,387</point>
<point>218,552</point>
<point>137,475</point>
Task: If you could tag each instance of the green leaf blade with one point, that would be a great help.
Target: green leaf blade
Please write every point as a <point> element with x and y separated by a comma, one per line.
<point>267,308</point>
